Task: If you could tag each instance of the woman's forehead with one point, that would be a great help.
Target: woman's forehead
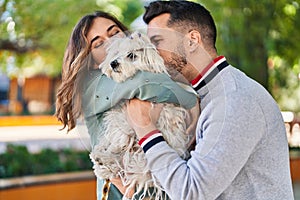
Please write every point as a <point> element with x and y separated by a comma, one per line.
<point>100,27</point>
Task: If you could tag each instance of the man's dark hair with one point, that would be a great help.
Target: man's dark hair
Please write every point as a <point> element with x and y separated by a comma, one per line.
<point>185,16</point>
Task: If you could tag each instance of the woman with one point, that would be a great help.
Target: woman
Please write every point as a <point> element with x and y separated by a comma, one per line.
<point>86,41</point>
<point>84,88</point>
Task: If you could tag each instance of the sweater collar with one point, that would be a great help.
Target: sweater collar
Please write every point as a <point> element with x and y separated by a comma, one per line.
<point>209,72</point>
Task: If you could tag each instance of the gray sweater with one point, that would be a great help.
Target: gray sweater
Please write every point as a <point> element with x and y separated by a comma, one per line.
<point>241,151</point>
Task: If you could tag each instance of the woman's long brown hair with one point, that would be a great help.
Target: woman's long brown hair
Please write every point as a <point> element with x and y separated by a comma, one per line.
<point>77,61</point>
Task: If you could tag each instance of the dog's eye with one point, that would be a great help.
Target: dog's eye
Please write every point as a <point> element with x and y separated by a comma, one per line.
<point>131,56</point>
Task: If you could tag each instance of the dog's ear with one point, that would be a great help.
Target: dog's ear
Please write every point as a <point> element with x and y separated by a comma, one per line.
<point>150,56</point>
<point>153,59</point>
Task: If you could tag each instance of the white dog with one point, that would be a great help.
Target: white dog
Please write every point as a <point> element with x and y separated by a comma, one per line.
<point>118,153</point>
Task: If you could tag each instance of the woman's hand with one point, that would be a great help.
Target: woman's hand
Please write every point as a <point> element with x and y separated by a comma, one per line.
<point>119,184</point>
<point>142,116</point>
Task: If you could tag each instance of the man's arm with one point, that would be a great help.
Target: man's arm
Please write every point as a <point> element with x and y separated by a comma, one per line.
<point>219,156</point>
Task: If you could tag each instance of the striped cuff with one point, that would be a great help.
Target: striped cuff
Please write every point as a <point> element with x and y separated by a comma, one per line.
<point>150,140</point>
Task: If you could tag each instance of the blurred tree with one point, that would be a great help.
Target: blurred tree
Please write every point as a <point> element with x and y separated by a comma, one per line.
<point>258,37</point>
<point>261,39</point>
<point>35,33</point>
<point>247,33</point>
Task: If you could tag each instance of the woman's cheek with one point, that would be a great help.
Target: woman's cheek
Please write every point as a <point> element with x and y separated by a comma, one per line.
<point>98,56</point>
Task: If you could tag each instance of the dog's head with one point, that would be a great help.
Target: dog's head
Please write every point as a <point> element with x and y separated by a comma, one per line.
<point>126,56</point>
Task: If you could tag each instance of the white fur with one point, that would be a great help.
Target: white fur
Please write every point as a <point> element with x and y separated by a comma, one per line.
<point>145,57</point>
<point>118,153</point>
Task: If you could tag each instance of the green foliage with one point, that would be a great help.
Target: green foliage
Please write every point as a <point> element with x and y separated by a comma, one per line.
<point>45,162</point>
<point>243,28</point>
<point>74,161</point>
<point>261,38</point>
<point>125,10</point>
<point>17,161</point>
<point>42,29</point>
<point>251,35</point>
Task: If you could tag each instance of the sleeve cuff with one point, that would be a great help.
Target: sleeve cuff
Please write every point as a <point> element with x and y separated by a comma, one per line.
<point>150,140</point>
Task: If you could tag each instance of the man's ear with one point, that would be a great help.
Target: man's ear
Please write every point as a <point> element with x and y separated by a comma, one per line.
<point>195,40</point>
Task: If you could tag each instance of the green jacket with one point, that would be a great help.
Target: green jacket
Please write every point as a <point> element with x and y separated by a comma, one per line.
<point>101,93</point>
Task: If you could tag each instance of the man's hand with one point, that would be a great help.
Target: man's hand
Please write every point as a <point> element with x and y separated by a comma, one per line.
<point>142,116</point>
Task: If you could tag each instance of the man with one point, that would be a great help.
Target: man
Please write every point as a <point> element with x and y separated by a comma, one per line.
<point>241,147</point>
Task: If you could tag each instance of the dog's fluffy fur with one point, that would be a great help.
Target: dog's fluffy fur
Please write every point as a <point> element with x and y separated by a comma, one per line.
<point>118,153</point>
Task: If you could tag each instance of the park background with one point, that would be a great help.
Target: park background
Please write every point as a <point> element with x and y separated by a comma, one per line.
<point>262,38</point>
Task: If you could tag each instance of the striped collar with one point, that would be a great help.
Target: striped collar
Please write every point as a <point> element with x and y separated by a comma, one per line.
<point>209,72</point>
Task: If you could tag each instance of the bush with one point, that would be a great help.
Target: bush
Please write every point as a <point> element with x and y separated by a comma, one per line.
<point>18,161</point>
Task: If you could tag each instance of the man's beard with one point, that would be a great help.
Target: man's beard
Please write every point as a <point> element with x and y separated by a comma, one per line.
<point>178,60</point>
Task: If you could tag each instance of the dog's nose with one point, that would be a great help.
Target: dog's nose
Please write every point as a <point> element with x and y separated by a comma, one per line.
<point>114,64</point>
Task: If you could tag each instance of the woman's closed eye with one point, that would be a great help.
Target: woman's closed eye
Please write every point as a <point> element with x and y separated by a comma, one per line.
<point>115,33</point>
<point>98,44</point>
